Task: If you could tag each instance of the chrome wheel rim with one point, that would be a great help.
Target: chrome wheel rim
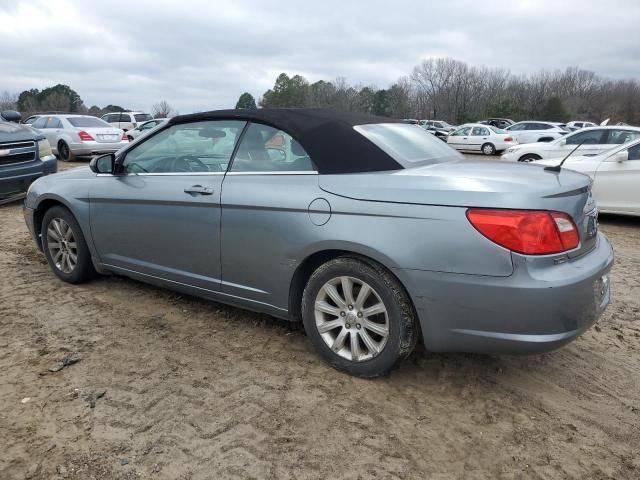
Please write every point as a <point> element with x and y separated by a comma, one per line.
<point>488,149</point>
<point>351,318</point>
<point>62,245</point>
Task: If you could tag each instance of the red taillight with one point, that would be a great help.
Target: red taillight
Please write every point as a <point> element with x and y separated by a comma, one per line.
<point>526,231</point>
<point>84,136</point>
<point>124,137</point>
<point>508,139</point>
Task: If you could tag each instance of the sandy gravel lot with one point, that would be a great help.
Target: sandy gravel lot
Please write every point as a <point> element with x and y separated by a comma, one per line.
<point>197,390</point>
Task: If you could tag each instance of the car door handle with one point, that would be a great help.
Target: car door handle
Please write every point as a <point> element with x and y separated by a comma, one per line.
<point>199,189</point>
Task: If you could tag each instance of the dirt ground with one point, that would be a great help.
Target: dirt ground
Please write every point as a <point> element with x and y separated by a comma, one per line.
<point>198,390</point>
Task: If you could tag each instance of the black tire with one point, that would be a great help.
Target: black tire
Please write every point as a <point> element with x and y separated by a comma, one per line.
<point>83,269</point>
<point>488,149</point>
<point>64,152</point>
<point>403,329</point>
<point>529,157</point>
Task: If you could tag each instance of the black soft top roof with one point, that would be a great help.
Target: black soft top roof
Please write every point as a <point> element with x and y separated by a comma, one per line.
<point>326,135</point>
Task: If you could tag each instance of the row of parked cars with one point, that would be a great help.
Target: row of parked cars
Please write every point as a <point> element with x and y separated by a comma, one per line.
<point>72,136</point>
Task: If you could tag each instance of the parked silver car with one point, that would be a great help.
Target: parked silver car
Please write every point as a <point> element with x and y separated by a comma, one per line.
<point>372,233</point>
<point>73,136</point>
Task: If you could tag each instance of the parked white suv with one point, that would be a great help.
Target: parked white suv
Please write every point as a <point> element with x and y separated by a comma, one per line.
<point>530,131</point>
<point>126,120</point>
<point>592,141</point>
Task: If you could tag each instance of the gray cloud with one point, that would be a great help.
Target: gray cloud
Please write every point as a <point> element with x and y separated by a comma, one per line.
<point>201,55</point>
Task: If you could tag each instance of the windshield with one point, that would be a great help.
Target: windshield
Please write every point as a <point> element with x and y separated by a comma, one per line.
<point>143,117</point>
<point>86,122</point>
<point>409,145</point>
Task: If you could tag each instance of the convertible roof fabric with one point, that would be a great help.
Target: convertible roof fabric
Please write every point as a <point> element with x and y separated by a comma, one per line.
<point>326,135</point>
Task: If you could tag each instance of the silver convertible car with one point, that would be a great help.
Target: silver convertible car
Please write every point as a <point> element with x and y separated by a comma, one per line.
<point>373,233</point>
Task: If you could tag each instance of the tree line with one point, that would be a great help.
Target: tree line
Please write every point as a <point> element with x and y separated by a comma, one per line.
<point>63,99</point>
<point>448,89</point>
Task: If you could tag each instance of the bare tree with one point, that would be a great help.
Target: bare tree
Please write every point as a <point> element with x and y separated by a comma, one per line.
<point>8,101</point>
<point>162,109</point>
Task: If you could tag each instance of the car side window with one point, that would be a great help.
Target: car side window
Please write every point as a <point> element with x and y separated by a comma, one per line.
<point>518,127</point>
<point>461,132</point>
<point>634,152</point>
<point>479,131</point>
<point>591,137</point>
<point>267,149</point>
<point>618,137</point>
<point>39,123</point>
<point>52,122</point>
<point>198,147</point>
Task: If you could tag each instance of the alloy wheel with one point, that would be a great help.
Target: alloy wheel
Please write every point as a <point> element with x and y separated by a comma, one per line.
<point>351,318</point>
<point>62,245</point>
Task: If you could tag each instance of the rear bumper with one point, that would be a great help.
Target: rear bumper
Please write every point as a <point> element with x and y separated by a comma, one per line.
<point>532,311</point>
<point>87,149</point>
<point>15,179</point>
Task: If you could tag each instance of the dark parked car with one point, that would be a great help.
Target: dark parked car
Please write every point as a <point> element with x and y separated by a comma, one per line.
<point>439,128</point>
<point>371,232</point>
<point>500,123</point>
<point>25,155</point>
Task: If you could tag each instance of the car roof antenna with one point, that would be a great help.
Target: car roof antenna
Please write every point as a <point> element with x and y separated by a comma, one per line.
<point>556,168</point>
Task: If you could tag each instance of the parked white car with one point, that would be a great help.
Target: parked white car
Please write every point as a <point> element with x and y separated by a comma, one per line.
<point>126,120</point>
<point>530,131</point>
<point>575,125</point>
<point>615,174</point>
<point>145,128</point>
<point>73,136</point>
<point>594,140</point>
<point>476,137</point>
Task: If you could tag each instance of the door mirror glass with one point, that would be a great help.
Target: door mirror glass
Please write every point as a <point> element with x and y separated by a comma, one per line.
<point>103,163</point>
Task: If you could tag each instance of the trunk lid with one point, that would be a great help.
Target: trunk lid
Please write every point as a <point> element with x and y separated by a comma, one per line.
<point>485,184</point>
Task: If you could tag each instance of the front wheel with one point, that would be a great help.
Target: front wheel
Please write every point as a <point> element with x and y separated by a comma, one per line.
<point>358,317</point>
<point>64,246</point>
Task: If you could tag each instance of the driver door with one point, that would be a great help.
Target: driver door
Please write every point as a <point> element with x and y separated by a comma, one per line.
<point>160,217</point>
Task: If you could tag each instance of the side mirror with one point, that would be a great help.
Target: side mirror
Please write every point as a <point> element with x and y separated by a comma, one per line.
<point>563,141</point>
<point>622,156</point>
<point>103,163</point>
<point>11,116</point>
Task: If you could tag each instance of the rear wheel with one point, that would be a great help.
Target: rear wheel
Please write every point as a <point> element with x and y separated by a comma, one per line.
<point>65,152</point>
<point>64,246</point>
<point>488,149</point>
<point>358,317</point>
<point>529,157</point>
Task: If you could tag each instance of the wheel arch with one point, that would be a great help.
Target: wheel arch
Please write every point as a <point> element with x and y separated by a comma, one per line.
<point>41,209</point>
<point>320,256</point>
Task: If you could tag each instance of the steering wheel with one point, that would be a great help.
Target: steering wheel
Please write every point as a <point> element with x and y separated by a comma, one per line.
<point>186,163</point>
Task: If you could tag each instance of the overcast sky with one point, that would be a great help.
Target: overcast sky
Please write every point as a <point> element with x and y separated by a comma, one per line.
<point>202,54</point>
